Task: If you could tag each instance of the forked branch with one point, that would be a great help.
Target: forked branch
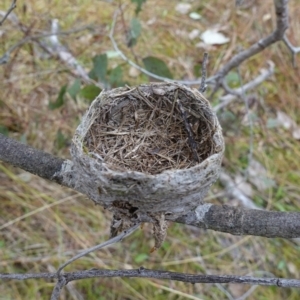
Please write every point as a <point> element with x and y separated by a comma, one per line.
<point>281,11</point>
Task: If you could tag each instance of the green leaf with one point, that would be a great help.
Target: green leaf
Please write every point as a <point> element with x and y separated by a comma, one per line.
<point>60,99</point>
<point>157,66</point>
<point>100,66</point>
<point>115,77</point>
<point>134,33</point>
<point>74,89</point>
<point>90,92</point>
<point>139,4</point>
<point>141,257</point>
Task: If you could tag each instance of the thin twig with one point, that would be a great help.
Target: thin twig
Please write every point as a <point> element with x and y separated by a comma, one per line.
<point>5,57</point>
<point>158,274</point>
<point>172,109</point>
<point>237,93</point>
<point>62,281</point>
<point>294,50</point>
<point>203,85</point>
<point>58,287</point>
<point>191,139</point>
<point>12,7</point>
<point>130,62</point>
<point>66,56</point>
<point>114,240</point>
<point>54,48</point>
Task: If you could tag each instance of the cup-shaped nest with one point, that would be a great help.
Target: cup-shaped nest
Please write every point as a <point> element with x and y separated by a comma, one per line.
<point>148,150</point>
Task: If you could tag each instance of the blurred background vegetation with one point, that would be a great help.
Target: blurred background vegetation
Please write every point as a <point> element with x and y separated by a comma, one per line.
<point>41,103</point>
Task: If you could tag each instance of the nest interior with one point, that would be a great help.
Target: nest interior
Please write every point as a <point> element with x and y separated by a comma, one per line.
<point>152,128</point>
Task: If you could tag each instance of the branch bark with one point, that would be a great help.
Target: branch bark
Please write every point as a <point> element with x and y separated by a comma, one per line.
<point>30,159</point>
<point>147,273</point>
<point>240,221</point>
<point>233,220</point>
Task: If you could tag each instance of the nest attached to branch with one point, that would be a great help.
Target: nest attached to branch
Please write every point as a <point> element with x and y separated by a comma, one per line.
<point>148,151</point>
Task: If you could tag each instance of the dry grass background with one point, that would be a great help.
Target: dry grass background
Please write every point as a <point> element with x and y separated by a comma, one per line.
<point>43,224</point>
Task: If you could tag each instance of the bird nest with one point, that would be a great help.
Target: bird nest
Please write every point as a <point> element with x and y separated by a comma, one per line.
<point>147,152</point>
<point>152,129</point>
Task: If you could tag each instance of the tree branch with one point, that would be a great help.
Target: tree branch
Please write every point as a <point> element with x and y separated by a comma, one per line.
<point>55,47</point>
<point>158,274</point>
<point>12,7</point>
<point>240,221</point>
<point>233,220</point>
<point>111,241</point>
<point>61,282</point>
<point>30,159</point>
<point>294,50</point>
<point>238,92</point>
<point>281,11</point>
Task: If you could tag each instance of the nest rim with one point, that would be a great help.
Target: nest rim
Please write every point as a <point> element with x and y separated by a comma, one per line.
<point>158,90</point>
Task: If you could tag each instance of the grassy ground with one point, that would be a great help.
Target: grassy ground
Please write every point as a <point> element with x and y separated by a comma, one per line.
<point>43,224</point>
